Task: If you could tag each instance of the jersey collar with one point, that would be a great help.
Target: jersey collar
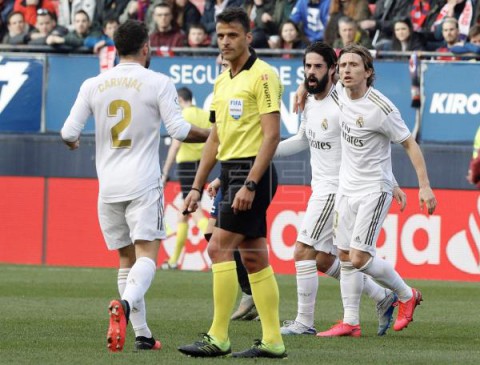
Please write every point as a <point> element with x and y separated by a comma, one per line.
<point>247,66</point>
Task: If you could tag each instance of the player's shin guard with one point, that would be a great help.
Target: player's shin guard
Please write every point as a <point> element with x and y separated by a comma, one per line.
<point>351,285</point>
<point>266,298</point>
<point>225,288</point>
<point>307,286</point>
<point>139,280</point>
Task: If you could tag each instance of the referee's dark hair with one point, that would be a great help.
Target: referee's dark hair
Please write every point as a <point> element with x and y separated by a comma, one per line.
<point>185,93</point>
<point>324,50</point>
<point>235,14</point>
<point>366,56</point>
<point>130,37</point>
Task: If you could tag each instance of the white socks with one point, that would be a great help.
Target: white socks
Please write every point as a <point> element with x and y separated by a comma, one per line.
<point>334,270</point>
<point>132,285</point>
<point>351,285</point>
<point>370,289</point>
<point>383,272</point>
<point>373,290</point>
<point>307,286</point>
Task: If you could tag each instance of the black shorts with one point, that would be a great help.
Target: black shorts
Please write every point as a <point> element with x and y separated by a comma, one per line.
<point>251,223</point>
<point>186,175</point>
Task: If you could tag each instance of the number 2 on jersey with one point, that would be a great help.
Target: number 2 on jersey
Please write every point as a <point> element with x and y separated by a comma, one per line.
<point>113,108</point>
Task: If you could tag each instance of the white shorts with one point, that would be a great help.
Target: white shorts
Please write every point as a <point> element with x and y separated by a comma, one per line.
<point>317,225</point>
<point>138,219</point>
<point>358,221</point>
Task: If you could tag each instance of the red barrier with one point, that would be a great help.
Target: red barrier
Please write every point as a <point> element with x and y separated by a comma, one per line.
<point>73,236</point>
<point>21,220</point>
<point>444,246</point>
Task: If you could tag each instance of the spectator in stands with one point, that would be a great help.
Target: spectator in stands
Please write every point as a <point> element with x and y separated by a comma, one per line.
<point>97,41</point>
<point>186,14</point>
<point>462,10</point>
<point>313,16</point>
<point>451,37</point>
<point>166,33</point>
<point>17,29</point>
<point>473,44</point>
<point>270,15</point>
<point>44,26</point>
<point>404,38</point>
<point>68,8</point>
<point>289,38</point>
<point>380,25</point>
<point>358,10</point>
<point>255,9</point>
<point>197,36</point>
<point>6,7</point>
<point>30,9</point>
<point>210,12</point>
<point>136,9</point>
<point>108,9</point>
<point>349,33</point>
<point>76,37</point>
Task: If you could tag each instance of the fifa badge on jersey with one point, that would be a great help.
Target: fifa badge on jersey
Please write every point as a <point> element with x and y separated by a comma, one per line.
<point>324,124</point>
<point>236,108</point>
<point>360,123</point>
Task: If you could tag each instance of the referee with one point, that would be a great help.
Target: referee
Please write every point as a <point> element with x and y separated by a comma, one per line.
<point>187,157</point>
<point>246,131</point>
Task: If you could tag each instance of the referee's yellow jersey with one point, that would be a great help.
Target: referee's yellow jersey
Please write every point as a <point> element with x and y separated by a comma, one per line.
<point>191,152</point>
<point>237,105</point>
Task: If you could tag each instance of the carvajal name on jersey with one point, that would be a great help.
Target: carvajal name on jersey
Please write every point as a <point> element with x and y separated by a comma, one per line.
<point>127,82</point>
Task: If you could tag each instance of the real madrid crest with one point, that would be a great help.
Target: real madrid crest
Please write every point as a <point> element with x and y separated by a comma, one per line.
<point>360,122</point>
<point>324,124</point>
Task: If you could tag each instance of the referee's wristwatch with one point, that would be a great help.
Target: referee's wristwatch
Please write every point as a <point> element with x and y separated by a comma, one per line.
<point>251,185</point>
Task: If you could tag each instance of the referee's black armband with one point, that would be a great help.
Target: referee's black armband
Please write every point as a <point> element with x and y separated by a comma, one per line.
<point>212,117</point>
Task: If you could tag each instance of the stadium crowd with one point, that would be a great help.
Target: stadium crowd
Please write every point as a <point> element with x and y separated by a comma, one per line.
<point>386,25</point>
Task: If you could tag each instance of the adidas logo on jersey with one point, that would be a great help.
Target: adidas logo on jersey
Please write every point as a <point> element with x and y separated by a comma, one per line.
<point>357,239</point>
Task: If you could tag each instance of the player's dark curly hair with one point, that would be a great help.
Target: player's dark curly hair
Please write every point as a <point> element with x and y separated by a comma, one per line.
<point>130,37</point>
<point>185,93</point>
<point>235,14</point>
<point>366,56</point>
<point>324,50</point>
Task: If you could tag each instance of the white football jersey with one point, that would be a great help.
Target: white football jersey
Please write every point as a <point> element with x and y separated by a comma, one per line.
<point>320,131</point>
<point>128,103</point>
<point>368,125</point>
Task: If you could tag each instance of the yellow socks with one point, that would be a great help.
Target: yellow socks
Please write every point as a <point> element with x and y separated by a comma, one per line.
<point>202,224</point>
<point>225,289</point>
<point>182,231</point>
<point>266,298</point>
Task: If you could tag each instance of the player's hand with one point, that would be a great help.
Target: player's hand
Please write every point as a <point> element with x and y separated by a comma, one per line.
<point>213,187</point>
<point>243,200</point>
<point>400,197</point>
<point>72,145</point>
<point>300,99</point>
<point>427,198</point>
<point>190,203</point>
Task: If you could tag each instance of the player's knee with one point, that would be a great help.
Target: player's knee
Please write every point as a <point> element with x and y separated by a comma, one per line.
<point>358,261</point>
<point>213,249</point>
<point>303,252</point>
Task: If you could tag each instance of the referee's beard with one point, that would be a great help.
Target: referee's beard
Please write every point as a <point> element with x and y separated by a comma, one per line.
<point>321,84</point>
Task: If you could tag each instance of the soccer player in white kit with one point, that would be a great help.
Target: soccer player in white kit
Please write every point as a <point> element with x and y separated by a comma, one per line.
<point>369,123</point>
<point>128,103</point>
<point>314,250</point>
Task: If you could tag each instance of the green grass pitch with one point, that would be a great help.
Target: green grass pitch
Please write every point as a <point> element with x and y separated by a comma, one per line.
<point>59,316</point>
